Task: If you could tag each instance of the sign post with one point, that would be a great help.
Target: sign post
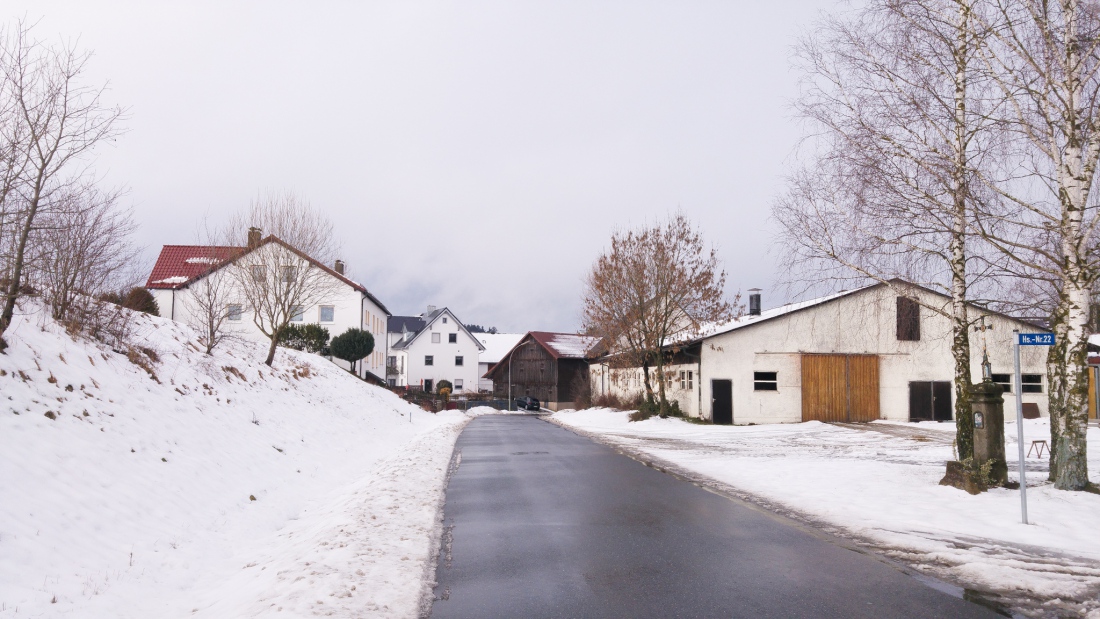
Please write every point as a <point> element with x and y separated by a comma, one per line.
<point>1025,339</point>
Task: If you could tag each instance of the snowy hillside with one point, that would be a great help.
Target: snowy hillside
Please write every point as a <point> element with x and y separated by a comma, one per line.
<point>166,481</point>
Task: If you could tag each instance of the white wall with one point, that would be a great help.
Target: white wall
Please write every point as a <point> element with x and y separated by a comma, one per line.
<point>863,323</point>
<point>351,309</point>
<point>443,353</point>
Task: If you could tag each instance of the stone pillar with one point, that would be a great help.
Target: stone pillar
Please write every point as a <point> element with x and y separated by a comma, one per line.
<point>987,402</point>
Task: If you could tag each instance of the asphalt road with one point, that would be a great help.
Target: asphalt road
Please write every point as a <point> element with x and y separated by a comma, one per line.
<point>547,523</point>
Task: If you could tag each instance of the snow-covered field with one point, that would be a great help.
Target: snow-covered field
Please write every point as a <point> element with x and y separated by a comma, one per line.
<point>878,483</point>
<point>208,486</point>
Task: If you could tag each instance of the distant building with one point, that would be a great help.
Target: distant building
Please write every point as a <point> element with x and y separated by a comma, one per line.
<point>431,347</point>
<point>496,346</point>
<point>351,305</point>
<point>552,367</point>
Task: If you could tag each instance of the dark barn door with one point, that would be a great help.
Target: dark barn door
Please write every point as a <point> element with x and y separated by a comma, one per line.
<point>930,401</point>
<point>721,411</point>
<point>941,400</point>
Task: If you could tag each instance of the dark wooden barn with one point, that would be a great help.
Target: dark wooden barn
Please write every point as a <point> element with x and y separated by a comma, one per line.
<point>552,367</point>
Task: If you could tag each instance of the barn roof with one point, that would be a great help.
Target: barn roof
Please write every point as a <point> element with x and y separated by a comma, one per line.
<point>565,345</point>
<point>496,345</point>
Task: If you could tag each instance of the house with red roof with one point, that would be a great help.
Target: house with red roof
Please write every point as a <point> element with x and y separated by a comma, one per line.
<point>348,303</point>
<point>552,367</point>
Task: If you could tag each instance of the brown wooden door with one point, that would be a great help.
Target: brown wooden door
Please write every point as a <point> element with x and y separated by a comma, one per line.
<point>840,388</point>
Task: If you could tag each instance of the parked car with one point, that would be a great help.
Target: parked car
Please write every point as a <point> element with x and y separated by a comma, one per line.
<point>527,403</point>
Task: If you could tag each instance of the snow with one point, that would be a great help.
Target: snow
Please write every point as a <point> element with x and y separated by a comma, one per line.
<point>496,345</point>
<point>878,482</point>
<point>708,330</point>
<point>135,500</point>
<point>575,346</point>
<point>177,279</point>
<point>202,260</point>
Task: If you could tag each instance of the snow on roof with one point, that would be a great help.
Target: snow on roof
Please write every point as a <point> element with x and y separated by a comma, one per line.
<point>496,345</point>
<point>179,264</point>
<point>775,312</point>
<point>567,345</point>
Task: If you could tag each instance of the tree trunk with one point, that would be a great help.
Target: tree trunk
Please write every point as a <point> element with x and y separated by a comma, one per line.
<point>645,380</point>
<point>1067,376</point>
<point>17,265</point>
<point>661,399</point>
<point>271,351</point>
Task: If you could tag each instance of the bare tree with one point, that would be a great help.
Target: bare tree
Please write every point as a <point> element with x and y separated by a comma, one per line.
<point>901,107</point>
<point>50,120</point>
<point>279,275</point>
<point>80,250</point>
<point>656,286</point>
<point>1046,61</point>
<point>207,302</point>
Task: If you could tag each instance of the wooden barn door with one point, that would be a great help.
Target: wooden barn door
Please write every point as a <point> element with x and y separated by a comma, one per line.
<point>840,388</point>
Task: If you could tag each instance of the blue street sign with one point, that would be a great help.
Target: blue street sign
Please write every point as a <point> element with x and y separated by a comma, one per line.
<point>1036,339</point>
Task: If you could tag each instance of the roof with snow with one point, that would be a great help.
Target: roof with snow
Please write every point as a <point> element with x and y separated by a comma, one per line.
<point>178,266</point>
<point>496,345</point>
<point>565,345</point>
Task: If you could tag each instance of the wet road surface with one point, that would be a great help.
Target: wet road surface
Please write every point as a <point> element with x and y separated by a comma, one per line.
<point>541,522</point>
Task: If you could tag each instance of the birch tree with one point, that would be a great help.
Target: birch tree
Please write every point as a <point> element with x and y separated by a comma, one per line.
<point>1046,60</point>
<point>51,119</point>
<point>900,114</point>
<point>655,286</point>
<point>278,277</point>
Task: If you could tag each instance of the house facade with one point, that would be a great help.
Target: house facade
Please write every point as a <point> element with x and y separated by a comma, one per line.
<point>552,367</point>
<point>348,304</point>
<point>434,346</point>
<point>878,352</point>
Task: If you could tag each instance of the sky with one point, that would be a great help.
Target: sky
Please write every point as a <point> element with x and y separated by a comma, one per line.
<point>475,155</point>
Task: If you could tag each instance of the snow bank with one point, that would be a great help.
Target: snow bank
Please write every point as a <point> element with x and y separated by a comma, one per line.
<point>168,481</point>
<point>879,482</point>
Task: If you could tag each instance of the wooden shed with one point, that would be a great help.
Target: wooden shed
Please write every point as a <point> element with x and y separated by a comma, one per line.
<point>552,367</point>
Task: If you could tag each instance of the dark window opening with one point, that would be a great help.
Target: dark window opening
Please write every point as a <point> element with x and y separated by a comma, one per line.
<point>458,360</point>
<point>452,338</point>
<point>908,320</point>
<point>1005,381</point>
<point>429,360</point>
<point>1031,383</point>
<point>765,381</point>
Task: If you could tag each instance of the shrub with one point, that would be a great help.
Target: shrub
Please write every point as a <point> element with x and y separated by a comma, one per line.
<point>646,409</point>
<point>444,384</point>
<point>141,300</point>
<point>310,337</point>
<point>352,345</point>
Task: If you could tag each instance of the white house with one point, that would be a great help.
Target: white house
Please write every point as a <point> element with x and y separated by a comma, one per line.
<point>434,346</point>
<point>858,355</point>
<point>348,305</point>
<point>496,346</point>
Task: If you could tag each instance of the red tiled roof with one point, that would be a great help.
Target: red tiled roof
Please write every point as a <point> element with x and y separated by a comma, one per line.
<point>179,264</point>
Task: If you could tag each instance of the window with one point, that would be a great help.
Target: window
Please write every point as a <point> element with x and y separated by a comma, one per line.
<point>683,379</point>
<point>328,313</point>
<point>766,381</point>
<point>687,380</point>
<point>1031,383</point>
<point>297,314</point>
<point>289,275</point>
<point>435,338</point>
<point>908,320</point>
<point>458,360</point>
<point>444,320</point>
<point>458,384</point>
<point>429,360</point>
<point>452,338</point>
<point>393,382</point>
<point>258,272</point>
<point>1005,381</point>
<point>391,361</point>
<point>235,311</point>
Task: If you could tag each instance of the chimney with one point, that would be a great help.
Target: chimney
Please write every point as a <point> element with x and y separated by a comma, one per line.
<point>339,267</point>
<point>754,301</point>
<point>431,308</point>
<point>253,237</point>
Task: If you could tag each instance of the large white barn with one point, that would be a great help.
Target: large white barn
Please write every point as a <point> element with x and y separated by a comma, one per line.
<point>878,352</point>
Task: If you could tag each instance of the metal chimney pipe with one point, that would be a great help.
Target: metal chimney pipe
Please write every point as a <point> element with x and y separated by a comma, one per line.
<point>754,301</point>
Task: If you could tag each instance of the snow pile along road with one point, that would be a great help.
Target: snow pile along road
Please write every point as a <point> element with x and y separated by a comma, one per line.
<point>159,481</point>
<point>879,483</point>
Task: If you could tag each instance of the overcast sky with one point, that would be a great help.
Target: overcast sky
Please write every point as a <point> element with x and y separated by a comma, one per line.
<point>475,155</point>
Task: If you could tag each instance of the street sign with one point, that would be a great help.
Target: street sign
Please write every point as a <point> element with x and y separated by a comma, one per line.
<point>1036,339</point>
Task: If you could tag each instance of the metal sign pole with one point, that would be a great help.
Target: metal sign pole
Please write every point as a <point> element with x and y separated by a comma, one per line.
<point>1020,430</point>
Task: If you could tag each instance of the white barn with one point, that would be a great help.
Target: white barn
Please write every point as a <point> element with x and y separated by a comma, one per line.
<point>859,355</point>
<point>349,304</point>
